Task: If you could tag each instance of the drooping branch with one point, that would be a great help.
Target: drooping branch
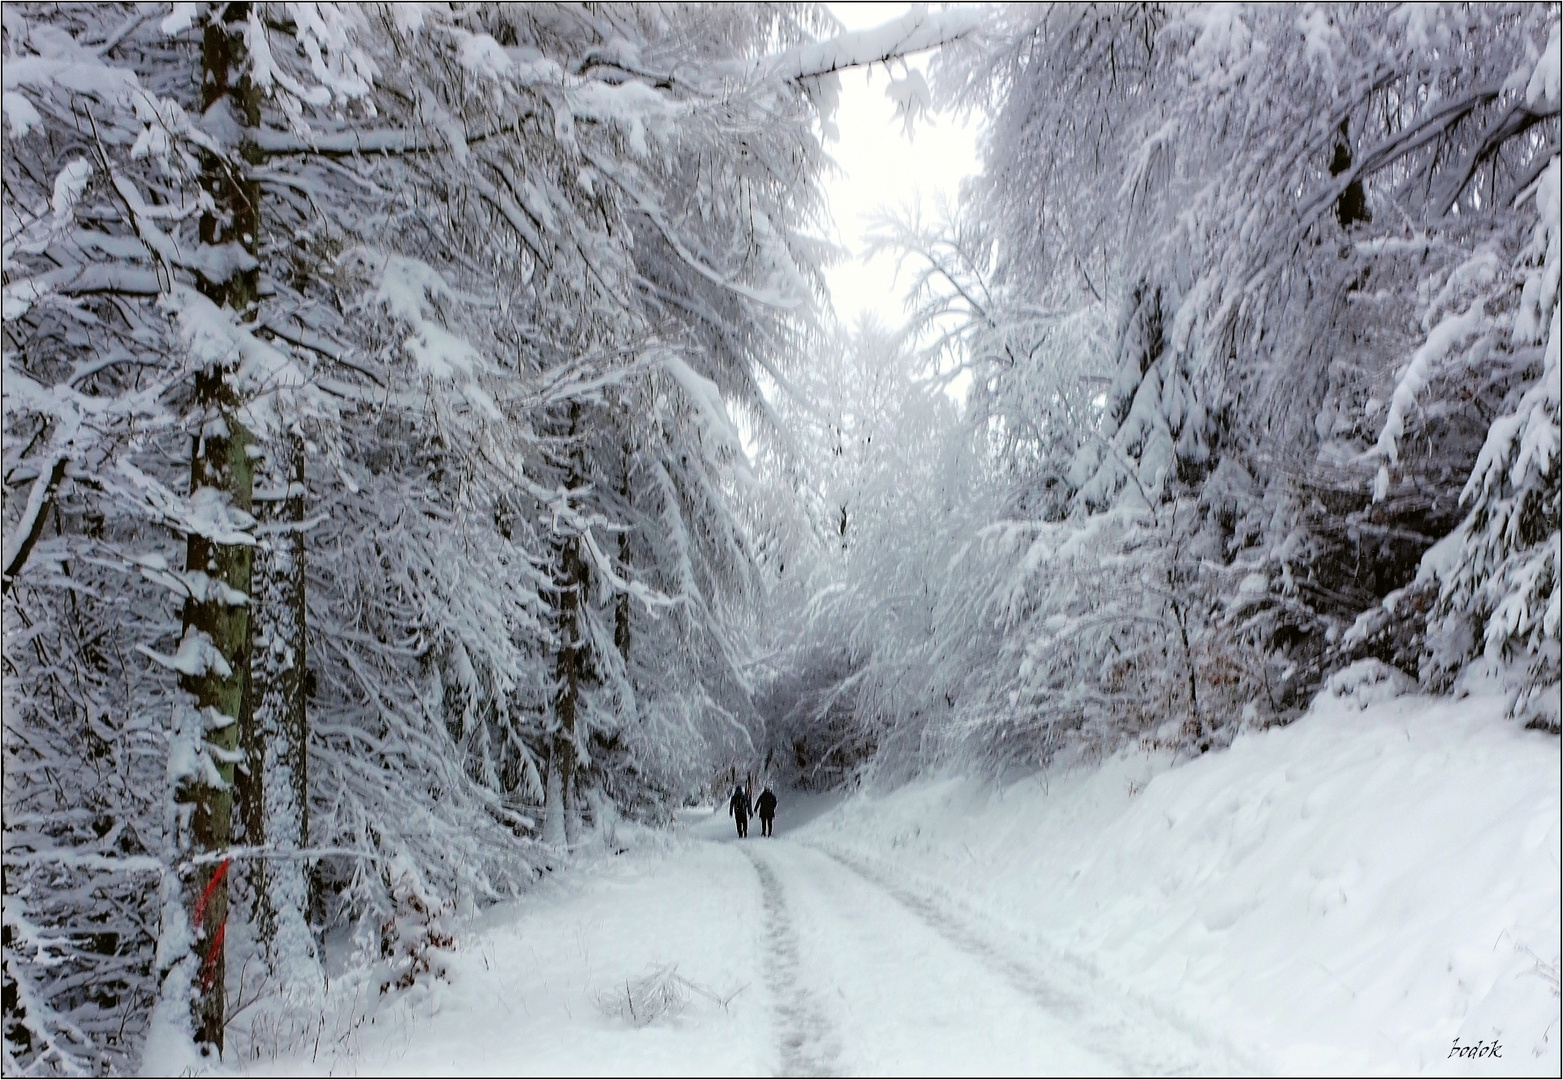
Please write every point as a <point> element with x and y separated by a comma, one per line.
<point>1412,137</point>
<point>30,526</point>
<point>1518,120</point>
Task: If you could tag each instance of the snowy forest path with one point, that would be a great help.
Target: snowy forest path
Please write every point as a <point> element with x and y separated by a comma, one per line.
<point>1135,1036</point>
<point>867,984</point>
<point>798,961</point>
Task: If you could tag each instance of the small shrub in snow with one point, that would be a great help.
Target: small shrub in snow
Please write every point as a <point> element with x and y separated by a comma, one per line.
<point>414,941</point>
<point>661,994</point>
<point>1368,682</point>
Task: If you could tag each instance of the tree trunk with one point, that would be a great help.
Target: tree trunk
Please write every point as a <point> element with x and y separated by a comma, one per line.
<point>571,593</point>
<point>275,797</point>
<point>562,760</point>
<point>553,810</point>
<point>220,461</point>
<point>1352,206</point>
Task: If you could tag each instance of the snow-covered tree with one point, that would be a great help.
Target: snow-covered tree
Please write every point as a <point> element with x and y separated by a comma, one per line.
<point>1309,221</point>
<point>1499,571</point>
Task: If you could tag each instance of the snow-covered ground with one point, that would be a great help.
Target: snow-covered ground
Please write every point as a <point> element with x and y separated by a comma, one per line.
<point>1357,893</point>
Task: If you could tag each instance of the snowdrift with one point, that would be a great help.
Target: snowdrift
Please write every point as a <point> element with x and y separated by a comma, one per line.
<point>1374,888</point>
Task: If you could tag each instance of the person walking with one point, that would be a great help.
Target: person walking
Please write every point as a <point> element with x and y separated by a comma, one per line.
<point>738,808</point>
<point>765,806</point>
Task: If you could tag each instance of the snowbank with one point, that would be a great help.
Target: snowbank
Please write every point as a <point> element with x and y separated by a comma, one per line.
<point>1360,892</point>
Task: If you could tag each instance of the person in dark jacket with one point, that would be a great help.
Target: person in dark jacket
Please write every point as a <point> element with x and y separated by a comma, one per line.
<point>738,808</point>
<point>765,806</point>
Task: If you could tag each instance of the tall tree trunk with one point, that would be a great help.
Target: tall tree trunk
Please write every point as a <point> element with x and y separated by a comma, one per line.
<point>561,812</point>
<point>275,793</point>
<point>220,461</point>
<point>563,759</point>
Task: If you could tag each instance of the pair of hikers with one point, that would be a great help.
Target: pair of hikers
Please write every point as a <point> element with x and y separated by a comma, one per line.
<point>739,808</point>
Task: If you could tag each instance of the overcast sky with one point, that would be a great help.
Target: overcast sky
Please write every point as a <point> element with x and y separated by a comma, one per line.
<point>880,166</point>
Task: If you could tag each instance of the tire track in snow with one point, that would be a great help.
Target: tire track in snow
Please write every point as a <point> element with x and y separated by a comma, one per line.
<point>1133,1032</point>
<point>808,1042</point>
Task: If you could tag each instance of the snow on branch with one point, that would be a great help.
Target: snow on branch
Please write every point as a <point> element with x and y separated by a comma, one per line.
<point>648,206</point>
<point>917,31</point>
